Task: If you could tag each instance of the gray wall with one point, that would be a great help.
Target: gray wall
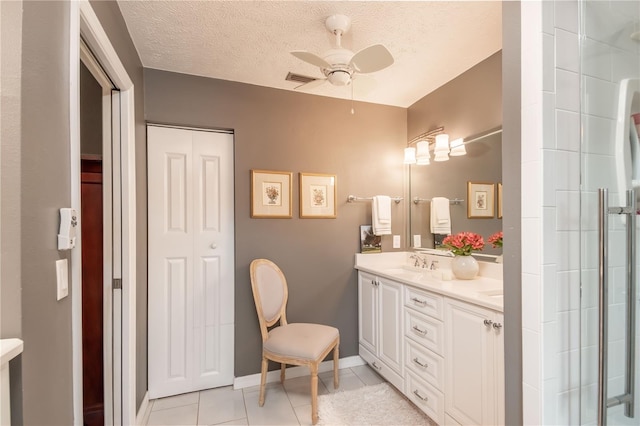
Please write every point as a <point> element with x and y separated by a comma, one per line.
<point>10,272</point>
<point>511,148</point>
<point>466,106</point>
<point>44,188</point>
<point>282,130</point>
<point>46,323</point>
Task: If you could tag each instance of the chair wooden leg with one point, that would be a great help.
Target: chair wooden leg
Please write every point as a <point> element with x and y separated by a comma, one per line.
<point>283,367</point>
<point>336,366</point>
<point>263,380</point>
<point>314,393</point>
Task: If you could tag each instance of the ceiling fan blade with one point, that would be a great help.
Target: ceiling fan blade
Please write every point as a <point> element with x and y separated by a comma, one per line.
<point>311,58</point>
<point>363,84</point>
<point>371,59</point>
<point>311,85</point>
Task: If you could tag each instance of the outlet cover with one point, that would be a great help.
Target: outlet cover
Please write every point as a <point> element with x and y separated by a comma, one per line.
<point>396,241</point>
<point>417,240</point>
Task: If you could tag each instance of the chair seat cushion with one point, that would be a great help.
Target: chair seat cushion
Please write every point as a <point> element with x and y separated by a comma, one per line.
<point>301,340</point>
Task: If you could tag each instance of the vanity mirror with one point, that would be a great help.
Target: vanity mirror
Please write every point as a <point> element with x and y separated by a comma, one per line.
<point>449,179</point>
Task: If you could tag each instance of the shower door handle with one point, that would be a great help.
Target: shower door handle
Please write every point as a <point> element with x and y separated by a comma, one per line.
<point>603,283</point>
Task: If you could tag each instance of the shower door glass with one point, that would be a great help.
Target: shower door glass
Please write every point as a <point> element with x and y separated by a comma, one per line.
<point>609,96</point>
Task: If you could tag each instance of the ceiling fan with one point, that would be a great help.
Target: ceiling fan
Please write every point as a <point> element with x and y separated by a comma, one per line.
<point>339,65</point>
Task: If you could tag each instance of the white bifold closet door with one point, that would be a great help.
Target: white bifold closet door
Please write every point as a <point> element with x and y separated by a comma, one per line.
<point>191,260</point>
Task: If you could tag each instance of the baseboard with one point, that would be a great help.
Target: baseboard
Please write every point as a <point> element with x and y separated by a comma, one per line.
<point>144,411</point>
<point>298,371</point>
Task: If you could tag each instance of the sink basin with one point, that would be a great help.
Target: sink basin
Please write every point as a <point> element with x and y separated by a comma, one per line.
<point>496,294</point>
<point>403,273</point>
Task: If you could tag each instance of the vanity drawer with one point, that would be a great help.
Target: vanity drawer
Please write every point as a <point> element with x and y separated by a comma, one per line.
<point>424,363</point>
<point>424,330</point>
<point>422,301</point>
<point>426,397</point>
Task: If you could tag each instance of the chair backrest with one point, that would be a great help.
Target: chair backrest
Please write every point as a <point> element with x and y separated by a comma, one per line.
<point>270,294</point>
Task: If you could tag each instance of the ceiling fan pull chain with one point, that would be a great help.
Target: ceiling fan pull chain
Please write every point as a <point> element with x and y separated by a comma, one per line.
<point>352,110</point>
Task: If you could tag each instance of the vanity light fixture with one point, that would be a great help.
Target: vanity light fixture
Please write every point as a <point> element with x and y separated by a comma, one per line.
<point>441,149</point>
<point>436,140</point>
<point>410,155</point>
<point>457,148</point>
<point>423,156</point>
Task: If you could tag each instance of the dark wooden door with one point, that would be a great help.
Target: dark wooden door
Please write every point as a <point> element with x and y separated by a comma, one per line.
<point>92,292</point>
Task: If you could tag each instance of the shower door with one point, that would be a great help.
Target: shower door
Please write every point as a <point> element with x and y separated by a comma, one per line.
<point>609,43</point>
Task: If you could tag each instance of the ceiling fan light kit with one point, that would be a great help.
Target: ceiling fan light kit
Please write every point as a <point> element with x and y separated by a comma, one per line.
<point>341,66</point>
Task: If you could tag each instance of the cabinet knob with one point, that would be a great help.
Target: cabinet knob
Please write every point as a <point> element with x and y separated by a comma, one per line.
<point>488,323</point>
<point>214,246</point>
<point>497,326</point>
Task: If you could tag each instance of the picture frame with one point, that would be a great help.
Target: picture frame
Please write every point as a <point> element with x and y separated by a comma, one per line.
<point>317,196</point>
<point>499,200</point>
<point>480,200</point>
<point>271,194</point>
<point>369,242</point>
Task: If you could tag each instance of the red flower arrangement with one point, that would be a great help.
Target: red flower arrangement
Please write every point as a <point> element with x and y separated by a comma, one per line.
<point>463,243</point>
<point>496,239</point>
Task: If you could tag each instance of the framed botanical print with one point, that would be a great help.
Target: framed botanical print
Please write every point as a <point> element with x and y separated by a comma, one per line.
<point>271,194</point>
<point>480,200</point>
<point>317,196</point>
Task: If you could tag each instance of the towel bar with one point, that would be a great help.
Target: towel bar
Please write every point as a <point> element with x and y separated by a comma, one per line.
<point>453,201</point>
<point>353,198</point>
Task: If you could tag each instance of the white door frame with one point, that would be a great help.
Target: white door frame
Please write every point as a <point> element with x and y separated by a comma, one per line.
<point>83,21</point>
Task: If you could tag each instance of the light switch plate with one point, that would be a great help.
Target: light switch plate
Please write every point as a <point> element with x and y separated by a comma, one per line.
<point>417,240</point>
<point>62,278</point>
<point>396,241</point>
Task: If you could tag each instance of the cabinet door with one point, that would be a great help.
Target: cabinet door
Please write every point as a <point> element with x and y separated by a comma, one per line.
<point>469,364</point>
<point>367,312</point>
<point>390,325</point>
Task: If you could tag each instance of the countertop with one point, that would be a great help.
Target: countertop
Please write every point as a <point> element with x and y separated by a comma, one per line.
<point>485,290</point>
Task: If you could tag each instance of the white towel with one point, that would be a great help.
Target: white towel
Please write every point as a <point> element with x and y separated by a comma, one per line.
<point>440,216</point>
<point>381,215</point>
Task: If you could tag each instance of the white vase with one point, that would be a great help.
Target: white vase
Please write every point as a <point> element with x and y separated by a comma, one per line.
<point>464,267</point>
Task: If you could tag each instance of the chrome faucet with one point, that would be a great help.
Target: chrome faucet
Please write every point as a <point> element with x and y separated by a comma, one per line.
<point>417,260</point>
<point>434,265</point>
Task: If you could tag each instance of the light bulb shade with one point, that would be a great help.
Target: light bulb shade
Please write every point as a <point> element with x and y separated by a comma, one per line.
<point>441,156</point>
<point>457,147</point>
<point>424,161</point>
<point>423,156</point>
<point>442,143</point>
<point>410,155</point>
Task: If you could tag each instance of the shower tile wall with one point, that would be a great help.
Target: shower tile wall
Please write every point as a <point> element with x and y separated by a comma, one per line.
<point>551,160</point>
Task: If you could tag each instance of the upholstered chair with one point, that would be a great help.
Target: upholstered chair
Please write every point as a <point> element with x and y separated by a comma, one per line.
<point>293,344</point>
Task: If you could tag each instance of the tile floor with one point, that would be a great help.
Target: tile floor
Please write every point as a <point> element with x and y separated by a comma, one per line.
<point>285,404</point>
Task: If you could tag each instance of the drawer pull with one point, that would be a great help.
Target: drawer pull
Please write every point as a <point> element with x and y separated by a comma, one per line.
<point>488,322</point>
<point>417,361</point>
<point>416,393</point>
<point>417,329</point>
<point>376,366</point>
<point>497,325</point>
<point>419,302</point>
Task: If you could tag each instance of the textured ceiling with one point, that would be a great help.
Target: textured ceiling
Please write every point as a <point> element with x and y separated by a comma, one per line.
<point>432,42</point>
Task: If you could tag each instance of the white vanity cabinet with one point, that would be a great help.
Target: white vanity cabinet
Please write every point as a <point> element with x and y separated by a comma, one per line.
<point>474,366</point>
<point>380,325</point>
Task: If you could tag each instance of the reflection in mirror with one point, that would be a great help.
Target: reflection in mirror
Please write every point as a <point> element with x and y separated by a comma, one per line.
<point>449,179</point>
